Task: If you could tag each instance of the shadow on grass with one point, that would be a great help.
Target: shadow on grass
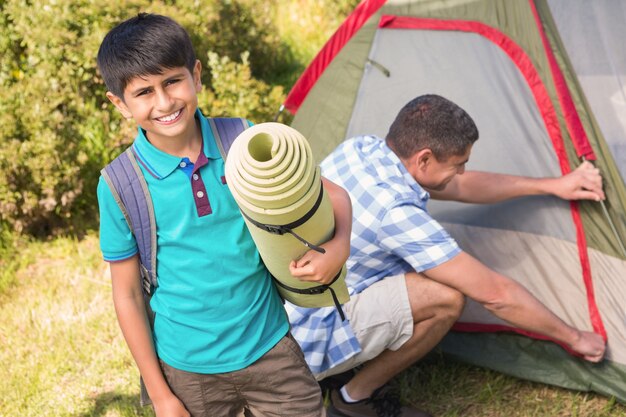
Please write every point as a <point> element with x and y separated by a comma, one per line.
<point>125,405</point>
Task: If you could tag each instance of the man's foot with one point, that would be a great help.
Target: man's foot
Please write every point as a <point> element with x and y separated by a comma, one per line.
<point>382,404</point>
<point>336,381</point>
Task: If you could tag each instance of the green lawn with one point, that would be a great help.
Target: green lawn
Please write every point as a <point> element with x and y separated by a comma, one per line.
<point>63,354</point>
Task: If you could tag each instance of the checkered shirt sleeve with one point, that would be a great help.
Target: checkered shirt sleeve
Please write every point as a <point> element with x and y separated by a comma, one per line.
<point>409,232</point>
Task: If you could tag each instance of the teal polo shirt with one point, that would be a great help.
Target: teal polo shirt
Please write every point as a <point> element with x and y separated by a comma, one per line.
<point>216,307</point>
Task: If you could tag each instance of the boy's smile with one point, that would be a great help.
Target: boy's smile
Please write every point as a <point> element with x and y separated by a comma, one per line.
<point>164,106</point>
<point>172,118</point>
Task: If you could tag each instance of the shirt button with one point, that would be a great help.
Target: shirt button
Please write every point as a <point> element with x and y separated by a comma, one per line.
<point>183,164</point>
<point>195,177</point>
<point>200,194</point>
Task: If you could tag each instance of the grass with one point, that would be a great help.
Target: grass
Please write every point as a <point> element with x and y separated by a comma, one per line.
<point>10,246</point>
<point>63,354</point>
<point>451,389</point>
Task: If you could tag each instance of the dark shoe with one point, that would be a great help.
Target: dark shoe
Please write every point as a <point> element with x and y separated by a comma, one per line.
<point>336,381</point>
<point>382,404</point>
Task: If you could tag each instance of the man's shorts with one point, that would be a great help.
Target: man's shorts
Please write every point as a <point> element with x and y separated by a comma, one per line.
<point>381,319</point>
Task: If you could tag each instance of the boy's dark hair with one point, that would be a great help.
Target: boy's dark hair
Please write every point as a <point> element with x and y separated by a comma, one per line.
<point>431,121</point>
<point>146,44</point>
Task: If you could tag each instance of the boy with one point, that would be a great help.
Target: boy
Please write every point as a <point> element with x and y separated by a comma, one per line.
<point>220,342</point>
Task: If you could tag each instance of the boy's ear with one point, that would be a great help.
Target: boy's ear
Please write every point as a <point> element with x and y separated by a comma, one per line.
<point>197,71</point>
<point>119,104</point>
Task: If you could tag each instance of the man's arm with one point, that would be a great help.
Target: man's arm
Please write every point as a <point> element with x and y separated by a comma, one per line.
<point>322,268</point>
<point>133,320</point>
<point>584,183</point>
<point>510,301</point>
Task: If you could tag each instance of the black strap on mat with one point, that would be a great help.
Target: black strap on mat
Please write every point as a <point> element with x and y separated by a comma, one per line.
<point>319,289</point>
<point>288,228</point>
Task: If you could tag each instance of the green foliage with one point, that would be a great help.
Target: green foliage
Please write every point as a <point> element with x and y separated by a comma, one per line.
<point>54,128</point>
<point>235,92</point>
<point>248,28</point>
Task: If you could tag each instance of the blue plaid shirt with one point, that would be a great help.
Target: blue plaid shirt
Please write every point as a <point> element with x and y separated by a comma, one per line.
<point>392,233</point>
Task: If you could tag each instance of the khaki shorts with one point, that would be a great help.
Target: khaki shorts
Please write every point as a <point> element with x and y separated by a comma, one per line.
<point>279,384</point>
<point>381,319</point>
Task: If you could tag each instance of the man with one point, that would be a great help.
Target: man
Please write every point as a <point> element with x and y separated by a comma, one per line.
<point>407,276</point>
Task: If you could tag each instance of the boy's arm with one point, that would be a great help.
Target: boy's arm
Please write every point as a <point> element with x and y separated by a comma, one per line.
<point>322,268</point>
<point>584,183</point>
<point>510,301</point>
<point>133,320</point>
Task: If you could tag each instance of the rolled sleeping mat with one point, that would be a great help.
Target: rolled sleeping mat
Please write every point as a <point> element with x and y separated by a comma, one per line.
<point>271,172</point>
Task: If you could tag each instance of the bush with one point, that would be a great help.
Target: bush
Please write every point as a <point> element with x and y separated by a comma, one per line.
<point>57,129</point>
<point>54,126</point>
<point>234,92</point>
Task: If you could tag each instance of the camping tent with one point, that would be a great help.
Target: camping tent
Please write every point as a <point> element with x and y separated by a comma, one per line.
<point>545,95</point>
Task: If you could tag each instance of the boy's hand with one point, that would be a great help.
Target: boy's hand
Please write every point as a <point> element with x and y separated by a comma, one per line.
<point>320,267</point>
<point>170,406</point>
<point>584,183</point>
<point>323,267</point>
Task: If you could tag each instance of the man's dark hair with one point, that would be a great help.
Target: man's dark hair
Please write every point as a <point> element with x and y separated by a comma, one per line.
<point>431,121</point>
<point>146,44</point>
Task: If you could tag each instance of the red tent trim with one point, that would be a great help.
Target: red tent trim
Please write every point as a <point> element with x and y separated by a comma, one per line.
<point>583,150</point>
<point>514,51</point>
<point>348,28</point>
<point>499,328</point>
<point>548,113</point>
<point>572,120</point>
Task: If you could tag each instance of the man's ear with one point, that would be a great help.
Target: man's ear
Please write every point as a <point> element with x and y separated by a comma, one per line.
<point>422,158</point>
<point>197,71</point>
<point>119,104</point>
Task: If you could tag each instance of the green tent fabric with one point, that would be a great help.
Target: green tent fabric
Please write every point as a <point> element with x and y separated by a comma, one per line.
<point>544,94</point>
<point>272,174</point>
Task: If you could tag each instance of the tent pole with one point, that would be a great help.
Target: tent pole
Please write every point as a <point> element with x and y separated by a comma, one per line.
<point>613,228</point>
<point>280,111</point>
<point>611,224</point>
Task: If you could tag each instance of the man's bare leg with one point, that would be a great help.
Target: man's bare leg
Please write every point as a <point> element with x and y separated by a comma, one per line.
<point>435,309</point>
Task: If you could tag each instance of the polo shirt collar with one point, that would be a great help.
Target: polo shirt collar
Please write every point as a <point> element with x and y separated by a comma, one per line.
<point>160,164</point>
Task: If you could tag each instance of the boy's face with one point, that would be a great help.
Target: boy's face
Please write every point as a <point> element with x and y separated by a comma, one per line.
<point>163,104</point>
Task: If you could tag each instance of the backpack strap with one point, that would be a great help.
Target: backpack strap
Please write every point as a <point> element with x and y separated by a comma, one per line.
<point>225,130</point>
<point>130,191</point>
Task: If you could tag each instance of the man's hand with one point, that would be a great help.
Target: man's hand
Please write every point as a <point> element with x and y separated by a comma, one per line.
<point>590,345</point>
<point>584,183</point>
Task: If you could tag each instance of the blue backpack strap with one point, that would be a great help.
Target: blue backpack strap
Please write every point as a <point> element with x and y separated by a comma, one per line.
<point>225,130</point>
<point>130,191</point>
